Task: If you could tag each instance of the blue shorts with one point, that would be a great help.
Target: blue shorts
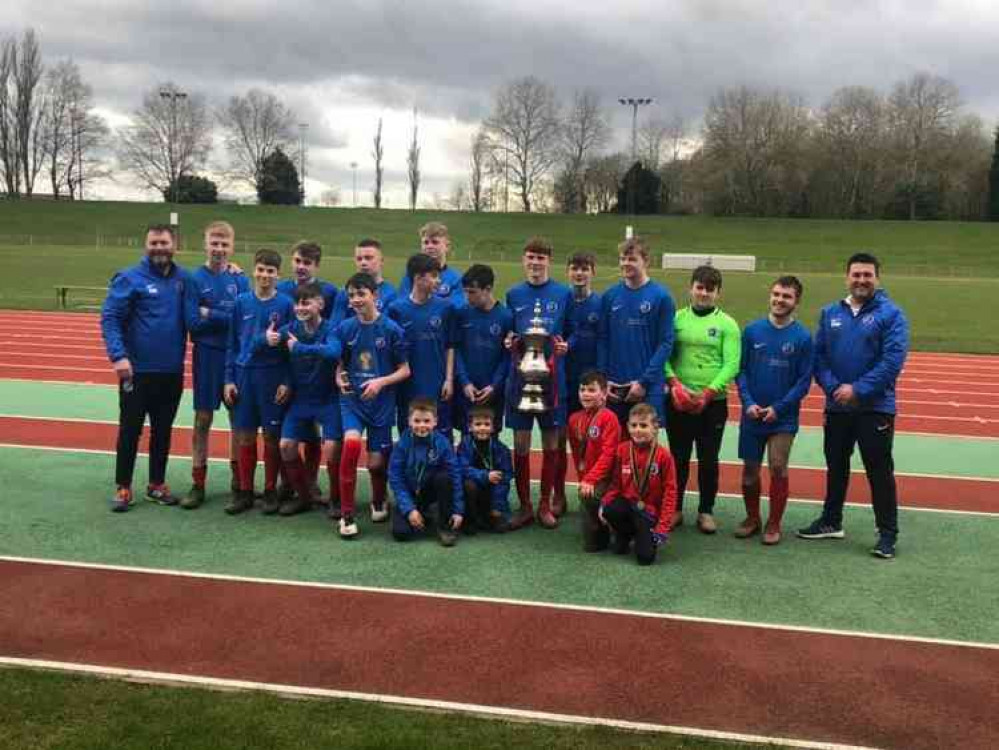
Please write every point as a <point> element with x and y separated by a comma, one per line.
<point>462,406</point>
<point>550,420</point>
<point>208,372</point>
<point>379,437</point>
<point>255,405</point>
<point>753,439</point>
<point>300,422</point>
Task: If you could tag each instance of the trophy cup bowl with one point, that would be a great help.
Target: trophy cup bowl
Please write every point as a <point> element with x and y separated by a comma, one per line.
<point>533,366</point>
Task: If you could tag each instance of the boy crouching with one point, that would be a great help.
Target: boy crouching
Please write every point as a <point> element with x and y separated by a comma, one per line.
<point>642,496</point>
<point>424,477</point>
<point>486,469</point>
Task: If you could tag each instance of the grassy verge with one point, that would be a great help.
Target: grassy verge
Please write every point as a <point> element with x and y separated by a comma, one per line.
<point>44,710</point>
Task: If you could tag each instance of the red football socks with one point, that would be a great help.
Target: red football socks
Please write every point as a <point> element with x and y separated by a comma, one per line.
<point>560,470</point>
<point>549,469</point>
<point>247,466</point>
<point>348,475</point>
<point>198,475</point>
<point>272,465</point>
<point>333,472</point>
<point>313,457</point>
<point>522,472</point>
<point>751,496</point>
<point>296,474</point>
<point>779,490</point>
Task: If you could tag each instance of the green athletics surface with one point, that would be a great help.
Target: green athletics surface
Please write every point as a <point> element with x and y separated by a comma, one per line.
<point>935,588</point>
<point>915,454</point>
<point>43,710</point>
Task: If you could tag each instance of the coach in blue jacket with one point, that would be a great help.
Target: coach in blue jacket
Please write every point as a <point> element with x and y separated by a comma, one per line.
<point>861,343</point>
<point>143,323</point>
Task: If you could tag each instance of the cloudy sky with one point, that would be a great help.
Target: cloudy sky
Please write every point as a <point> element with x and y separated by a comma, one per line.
<point>342,64</point>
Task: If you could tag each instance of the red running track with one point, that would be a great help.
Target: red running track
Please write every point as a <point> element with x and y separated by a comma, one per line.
<point>943,493</point>
<point>735,678</point>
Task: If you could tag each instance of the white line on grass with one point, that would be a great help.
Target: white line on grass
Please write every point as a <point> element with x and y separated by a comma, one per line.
<point>589,609</point>
<point>499,712</point>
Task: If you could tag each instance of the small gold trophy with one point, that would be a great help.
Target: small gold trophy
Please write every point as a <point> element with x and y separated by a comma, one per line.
<point>533,366</point>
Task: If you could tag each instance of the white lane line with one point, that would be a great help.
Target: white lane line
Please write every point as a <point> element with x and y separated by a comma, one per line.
<point>499,712</point>
<point>840,633</point>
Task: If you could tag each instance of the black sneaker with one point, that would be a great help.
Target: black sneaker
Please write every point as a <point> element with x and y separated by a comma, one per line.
<point>447,537</point>
<point>240,502</point>
<point>271,504</point>
<point>294,506</point>
<point>621,544</point>
<point>885,548</point>
<point>821,529</point>
<point>333,511</point>
<point>160,494</point>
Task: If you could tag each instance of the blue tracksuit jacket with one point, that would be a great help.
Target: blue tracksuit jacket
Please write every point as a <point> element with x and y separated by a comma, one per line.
<point>413,459</point>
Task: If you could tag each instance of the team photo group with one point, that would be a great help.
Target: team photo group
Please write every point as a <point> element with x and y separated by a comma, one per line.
<point>421,379</point>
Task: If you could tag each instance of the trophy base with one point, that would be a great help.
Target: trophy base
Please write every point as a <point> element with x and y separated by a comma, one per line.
<point>532,406</point>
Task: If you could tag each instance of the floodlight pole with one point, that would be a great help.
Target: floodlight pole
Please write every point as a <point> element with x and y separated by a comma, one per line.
<point>302,129</point>
<point>173,94</point>
<point>634,103</point>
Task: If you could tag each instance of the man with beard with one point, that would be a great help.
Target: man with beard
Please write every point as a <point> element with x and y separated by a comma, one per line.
<point>861,343</point>
<point>142,322</point>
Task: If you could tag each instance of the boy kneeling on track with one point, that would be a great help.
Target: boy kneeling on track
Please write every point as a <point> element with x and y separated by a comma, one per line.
<point>425,479</point>
<point>640,503</point>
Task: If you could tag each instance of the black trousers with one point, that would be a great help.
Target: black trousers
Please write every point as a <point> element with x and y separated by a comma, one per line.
<point>156,394</point>
<point>629,523</point>
<point>434,501</point>
<point>705,430</point>
<point>875,434</point>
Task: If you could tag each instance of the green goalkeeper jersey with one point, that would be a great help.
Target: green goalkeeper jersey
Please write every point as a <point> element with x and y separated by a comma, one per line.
<point>706,350</point>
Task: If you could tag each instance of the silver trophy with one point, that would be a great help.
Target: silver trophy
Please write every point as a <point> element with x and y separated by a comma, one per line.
<point>533,366</point>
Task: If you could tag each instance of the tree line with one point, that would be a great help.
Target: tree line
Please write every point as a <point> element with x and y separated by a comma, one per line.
<point>912,152</point>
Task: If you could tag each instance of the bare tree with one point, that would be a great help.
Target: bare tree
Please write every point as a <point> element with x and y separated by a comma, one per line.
<point>73,133</point>
<point>603,176</point>
<point>585,131</point>
<point>478,169</point>
<point>458,198</point>
<point>253,126</point>
<point>22,110</point>
<point>170,135</point>
<point>755,142</point>
<point>922,112</point>
<point>524,131</point>
<point>413,165</point>
<point>378,153</point>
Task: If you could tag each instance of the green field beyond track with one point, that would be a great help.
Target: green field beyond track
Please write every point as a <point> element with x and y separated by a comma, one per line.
<point>59,511</point>
<point>943,273</point>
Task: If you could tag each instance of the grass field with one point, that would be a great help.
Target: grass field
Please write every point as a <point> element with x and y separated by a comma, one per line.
<point>943,274</point>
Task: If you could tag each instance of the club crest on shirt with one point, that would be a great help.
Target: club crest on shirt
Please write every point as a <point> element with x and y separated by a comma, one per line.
<point>431,455</point>
<point>594,432</point>
<point>654,470</point>
<point>495,329</point>
<point>435,321</point>
<point>552,306</point>
<point>230,289</point>
<point>380,343</point>
<point>645,307</point>
<point>867,320</point>
<point>787,347</point>
<point>592,317</point>
<point>713,333</point>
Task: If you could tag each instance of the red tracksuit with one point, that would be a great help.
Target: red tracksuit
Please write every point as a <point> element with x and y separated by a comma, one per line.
<point>594,438</point>
<point>659,498</point>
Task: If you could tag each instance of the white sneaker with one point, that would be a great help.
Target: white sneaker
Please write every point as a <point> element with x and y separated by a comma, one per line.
<point>348,527</point>
<point>378,515</point>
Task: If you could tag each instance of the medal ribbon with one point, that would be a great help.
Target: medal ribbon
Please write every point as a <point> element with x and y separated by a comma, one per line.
<point>641,478</point>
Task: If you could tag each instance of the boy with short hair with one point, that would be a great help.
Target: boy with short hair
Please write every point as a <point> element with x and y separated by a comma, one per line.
<point>368,258</point>
<point>215,287</point>
<point>554,300</point>
<point>594,434</point>
<point>486,470</point>
<point>482,363</point>
<point>585,315</point>
<point>436,242</point>
<point>373,361</point>
<point>428,324</point>
<point>639,505</point>
<point>257,379</point>
<point>305,259</point>
<point>425,478</point>
<point>313,350</point>
<point>636,334</point>
<point>775,375</point>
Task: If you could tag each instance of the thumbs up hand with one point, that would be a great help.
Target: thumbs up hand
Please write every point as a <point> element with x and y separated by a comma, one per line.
<point>272,335</point>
